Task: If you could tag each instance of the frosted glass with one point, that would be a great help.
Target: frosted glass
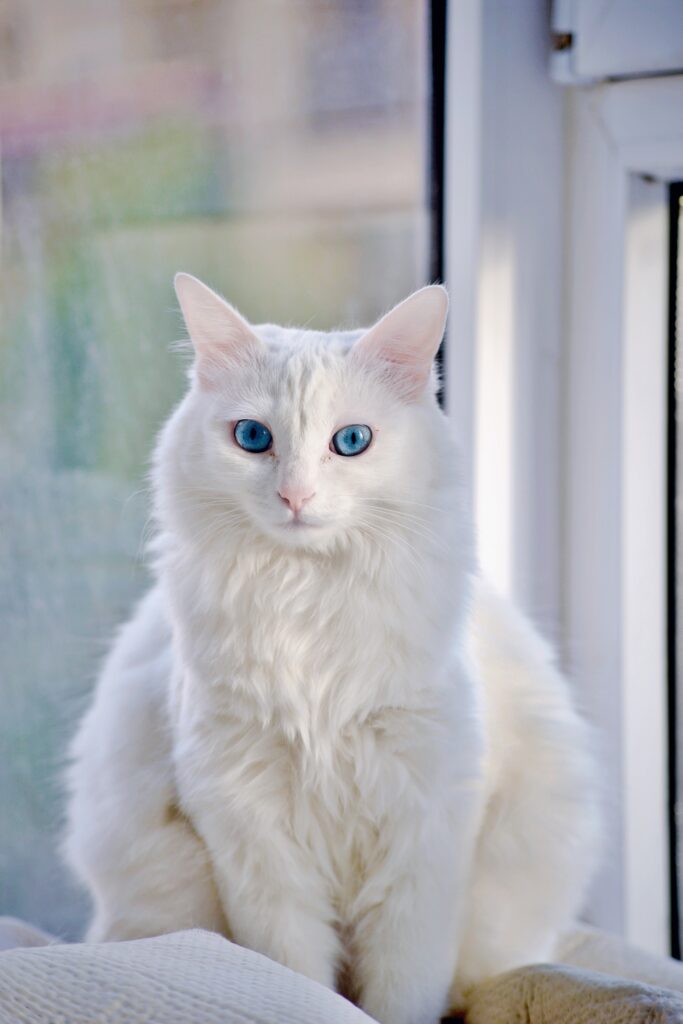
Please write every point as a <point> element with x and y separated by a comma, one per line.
<point>277,149</point>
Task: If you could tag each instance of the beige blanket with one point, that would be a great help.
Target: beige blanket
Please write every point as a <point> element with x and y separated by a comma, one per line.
<point>197,977</point>
<point>555,994</point>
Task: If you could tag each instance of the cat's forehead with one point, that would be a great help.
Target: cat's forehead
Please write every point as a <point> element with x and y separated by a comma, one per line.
<point>299,359</point>
<point>305,371</point>
<point>287,341</point>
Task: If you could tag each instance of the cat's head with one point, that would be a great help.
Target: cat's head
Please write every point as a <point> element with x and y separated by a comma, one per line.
<point>309,435</point>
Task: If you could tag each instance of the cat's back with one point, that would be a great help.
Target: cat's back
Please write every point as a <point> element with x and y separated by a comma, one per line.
<point>135,676</point>
<point>126,838</point>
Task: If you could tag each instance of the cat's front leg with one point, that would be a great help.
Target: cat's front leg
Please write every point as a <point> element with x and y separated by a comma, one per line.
<point>271,890</point>
<point>275,904</point>
<point>409,917</point>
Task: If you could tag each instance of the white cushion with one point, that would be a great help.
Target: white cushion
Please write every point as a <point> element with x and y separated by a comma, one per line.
<point>191,977</point>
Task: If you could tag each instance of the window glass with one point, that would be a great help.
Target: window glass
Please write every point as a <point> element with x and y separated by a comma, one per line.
<point>275,149</point>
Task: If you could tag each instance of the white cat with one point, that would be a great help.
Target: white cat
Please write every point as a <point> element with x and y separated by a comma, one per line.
<point>320,734</point>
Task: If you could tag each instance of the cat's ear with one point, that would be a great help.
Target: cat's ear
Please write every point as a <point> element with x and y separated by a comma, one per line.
<point>220,335</point>
<point>406,339</point>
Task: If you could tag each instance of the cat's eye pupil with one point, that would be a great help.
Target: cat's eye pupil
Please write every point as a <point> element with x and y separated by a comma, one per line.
<point>351,440</point>
<point>252,436</point>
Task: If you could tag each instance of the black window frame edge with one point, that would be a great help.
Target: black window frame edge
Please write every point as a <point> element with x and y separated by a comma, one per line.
<point>672,541</point>
<point>438,20</point>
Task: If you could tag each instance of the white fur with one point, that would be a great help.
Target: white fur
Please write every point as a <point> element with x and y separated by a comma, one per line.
<point>329,741</point>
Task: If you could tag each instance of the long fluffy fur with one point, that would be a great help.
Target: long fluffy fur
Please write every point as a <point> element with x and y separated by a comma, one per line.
<point>339,749</point>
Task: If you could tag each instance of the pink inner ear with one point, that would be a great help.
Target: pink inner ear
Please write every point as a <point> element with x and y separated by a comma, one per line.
<point>220,335</point>
<point>405,341</point>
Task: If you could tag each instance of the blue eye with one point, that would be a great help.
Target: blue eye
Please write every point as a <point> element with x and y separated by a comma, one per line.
<point>352,440</point>
<point>253,436</point>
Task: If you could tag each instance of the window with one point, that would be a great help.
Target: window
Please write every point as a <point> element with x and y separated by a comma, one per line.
<point>279,152</point>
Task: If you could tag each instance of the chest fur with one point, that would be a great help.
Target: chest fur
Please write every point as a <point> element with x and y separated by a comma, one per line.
<point>311,646</point>
<point>314,701</point>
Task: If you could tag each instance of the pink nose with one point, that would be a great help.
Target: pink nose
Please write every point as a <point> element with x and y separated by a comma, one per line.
<point>295,498</point>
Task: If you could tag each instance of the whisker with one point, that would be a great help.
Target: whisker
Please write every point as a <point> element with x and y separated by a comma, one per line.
<point>411,524</point>
<point>392,500</point>
<point>401,544</point>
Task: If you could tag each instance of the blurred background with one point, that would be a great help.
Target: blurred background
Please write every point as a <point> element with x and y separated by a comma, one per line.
<point>275,149</point>
<point>315,161</point>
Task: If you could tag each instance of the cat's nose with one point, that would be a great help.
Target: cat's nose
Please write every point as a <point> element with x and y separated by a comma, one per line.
<point>295,497</point>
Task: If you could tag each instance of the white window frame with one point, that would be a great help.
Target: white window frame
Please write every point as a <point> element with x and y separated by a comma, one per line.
<point>562,413</point>
<point>616,38</point>
<point>614,576</point>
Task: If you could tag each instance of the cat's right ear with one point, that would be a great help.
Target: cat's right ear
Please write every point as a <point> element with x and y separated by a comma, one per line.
<point>220,335</point>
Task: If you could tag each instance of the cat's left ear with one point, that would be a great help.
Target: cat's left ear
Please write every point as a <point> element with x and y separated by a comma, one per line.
<point>406,340</point>
<point>220,335</point>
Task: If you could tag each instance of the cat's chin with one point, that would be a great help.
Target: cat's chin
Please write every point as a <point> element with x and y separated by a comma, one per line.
<point>311,538</point>
<point>301,535</point>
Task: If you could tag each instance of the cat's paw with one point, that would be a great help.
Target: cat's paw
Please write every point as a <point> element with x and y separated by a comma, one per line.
<point>403,1007</point>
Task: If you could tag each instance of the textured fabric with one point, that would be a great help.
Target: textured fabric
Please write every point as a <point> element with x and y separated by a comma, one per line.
<point>190,977</point>
<point>554,994</point>
<point>200,978</point>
